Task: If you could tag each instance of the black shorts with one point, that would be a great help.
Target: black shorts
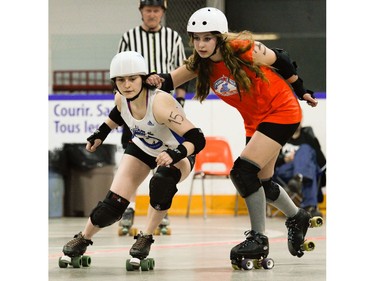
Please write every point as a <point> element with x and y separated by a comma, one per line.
<point>280,133</point>
<point>135,151</point>
<point>149,160</point>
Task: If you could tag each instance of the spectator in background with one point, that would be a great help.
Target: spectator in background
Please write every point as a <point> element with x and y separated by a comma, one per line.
<point>163,50</point>
<point>299,163</point>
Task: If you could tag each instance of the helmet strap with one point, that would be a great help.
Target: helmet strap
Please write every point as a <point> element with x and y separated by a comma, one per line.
<point>218,44</point>
<point>136,96</point>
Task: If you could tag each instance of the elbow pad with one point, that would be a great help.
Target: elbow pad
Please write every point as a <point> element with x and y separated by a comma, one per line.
<point>284,66</point>
<point>115,116</point>
<point>196,137</point>
<point>167,85</point>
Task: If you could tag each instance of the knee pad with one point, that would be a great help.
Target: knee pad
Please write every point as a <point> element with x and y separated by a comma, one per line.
<point>109,211</point>
<point>244,176</point>
<point>163,186</point>
<point>271,189</point>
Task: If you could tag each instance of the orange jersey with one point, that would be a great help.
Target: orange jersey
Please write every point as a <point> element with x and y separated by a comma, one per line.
<point>268,101</point>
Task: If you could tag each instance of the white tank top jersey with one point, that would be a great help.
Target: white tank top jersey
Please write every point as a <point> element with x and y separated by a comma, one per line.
<point>148,135</point>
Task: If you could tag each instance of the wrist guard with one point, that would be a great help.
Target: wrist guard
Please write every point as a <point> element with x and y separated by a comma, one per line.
<point>177,154</point>
<point>101,133</point>
<point>300,90</point>
<point>167,85</point>
<point>181,101</point>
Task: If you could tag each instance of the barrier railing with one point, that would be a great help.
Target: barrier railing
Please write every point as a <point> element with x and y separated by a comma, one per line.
<point>81,81</point>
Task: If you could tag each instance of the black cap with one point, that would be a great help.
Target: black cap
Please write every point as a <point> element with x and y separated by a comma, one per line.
<point>161,3</point>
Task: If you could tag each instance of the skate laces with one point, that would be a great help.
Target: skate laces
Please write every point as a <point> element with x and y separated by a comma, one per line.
<point>142,240</point>
<point>294,229</point>
<point>294,224</point>
<point>79,239</point>
<point>251,237</point>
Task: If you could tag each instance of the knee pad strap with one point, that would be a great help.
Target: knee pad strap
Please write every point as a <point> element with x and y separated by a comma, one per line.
<point>109,211</point>
<point>244,176</point>
<point>163,186</point>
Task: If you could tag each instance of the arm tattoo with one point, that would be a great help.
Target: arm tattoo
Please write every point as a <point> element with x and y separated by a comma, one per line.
<point>259,45</point>
<point>176,118</point>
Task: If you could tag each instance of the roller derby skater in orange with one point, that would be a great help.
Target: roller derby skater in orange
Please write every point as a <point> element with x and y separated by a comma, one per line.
<point>264,87</point>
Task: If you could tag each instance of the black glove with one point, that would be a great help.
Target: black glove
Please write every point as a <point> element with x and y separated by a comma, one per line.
<point>177,154</point>
<point>101,133</point>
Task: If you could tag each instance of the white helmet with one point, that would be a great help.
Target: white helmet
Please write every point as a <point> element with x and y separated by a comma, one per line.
<point>207,20</point>
<point>126,64</point>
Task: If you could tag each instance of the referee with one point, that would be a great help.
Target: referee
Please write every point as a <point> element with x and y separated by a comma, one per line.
<point>161,46</point>
<point>163,50</point>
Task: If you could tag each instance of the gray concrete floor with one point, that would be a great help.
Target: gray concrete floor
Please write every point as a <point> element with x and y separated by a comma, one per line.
<point>197,249</point>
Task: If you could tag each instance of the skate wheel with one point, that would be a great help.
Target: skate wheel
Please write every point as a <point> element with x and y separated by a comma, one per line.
<point>133,231</point>
<point>86,261</point>
<point>129,266</point>
<point>235,265</point>
<point>316,222</point>
<point>164,230</point>
<point>157,231</point>
<point>77,262</point>
<point>122,231</point>
<point>257,264</point>
<point>308,246</point>
<point>152,264</point>
<point>247,264</point>
<point>145,265</point>
<point>62,263</point>
<point>267,263</point>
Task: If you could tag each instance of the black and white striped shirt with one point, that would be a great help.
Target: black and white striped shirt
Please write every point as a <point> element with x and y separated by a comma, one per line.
<point>163,50</point>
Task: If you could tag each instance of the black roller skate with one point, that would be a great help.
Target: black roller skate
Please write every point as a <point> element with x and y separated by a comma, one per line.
<point>139,252</point>
<point>73,252</point>
<point>251,253</point>
<point>163,227</point>
<point>297,228</point>
<point>126,223</point>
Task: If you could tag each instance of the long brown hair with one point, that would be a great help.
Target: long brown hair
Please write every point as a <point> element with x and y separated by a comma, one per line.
<point>232,60</point>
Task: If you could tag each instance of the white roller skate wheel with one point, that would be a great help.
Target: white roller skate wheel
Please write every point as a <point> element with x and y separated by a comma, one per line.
<point>135,261</point>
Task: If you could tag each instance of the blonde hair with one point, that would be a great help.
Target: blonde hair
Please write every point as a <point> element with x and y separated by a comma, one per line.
<point>232,61</point>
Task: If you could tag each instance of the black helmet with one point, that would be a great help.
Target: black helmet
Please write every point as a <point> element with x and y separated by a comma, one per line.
<point>161,3</point>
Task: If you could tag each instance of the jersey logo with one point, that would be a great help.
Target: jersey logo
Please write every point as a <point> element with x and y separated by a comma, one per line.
<point>147,138</point>
<point>225,86</point>
<point>150,123</point>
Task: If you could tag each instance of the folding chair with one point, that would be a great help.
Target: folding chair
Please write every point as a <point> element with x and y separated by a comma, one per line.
<point>297,198</point>
<point>214,162</point>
